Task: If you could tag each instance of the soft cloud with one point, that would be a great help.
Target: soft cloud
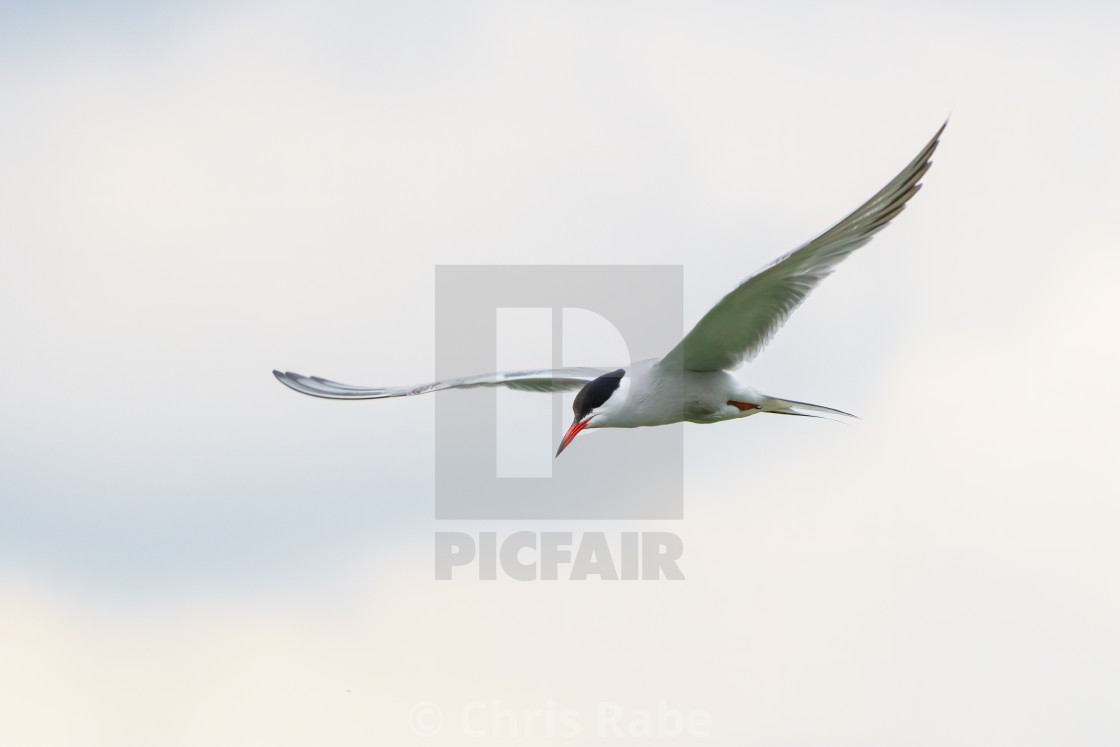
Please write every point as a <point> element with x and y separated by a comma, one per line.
<point>947,567</point>
<point>192,554</point>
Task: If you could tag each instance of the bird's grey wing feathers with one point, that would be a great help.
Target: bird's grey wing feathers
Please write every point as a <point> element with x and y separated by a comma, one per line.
<point>737,328</point>
<point>545,380</point>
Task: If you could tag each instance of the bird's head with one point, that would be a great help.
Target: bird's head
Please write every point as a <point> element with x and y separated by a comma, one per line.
<point>598,399</point>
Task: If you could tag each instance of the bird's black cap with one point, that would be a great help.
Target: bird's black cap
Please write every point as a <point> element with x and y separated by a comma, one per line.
<point>596,392</point>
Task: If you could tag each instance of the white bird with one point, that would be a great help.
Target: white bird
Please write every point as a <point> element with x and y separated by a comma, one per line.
<point>694,381</point>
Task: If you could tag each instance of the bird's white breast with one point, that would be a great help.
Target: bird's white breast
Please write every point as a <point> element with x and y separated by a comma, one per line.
<point>655,396</point>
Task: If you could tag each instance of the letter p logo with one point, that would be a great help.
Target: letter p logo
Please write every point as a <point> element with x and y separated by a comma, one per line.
<point>633,473</point>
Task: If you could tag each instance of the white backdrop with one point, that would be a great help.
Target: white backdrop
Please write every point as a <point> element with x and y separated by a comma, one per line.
<point>191,554</point>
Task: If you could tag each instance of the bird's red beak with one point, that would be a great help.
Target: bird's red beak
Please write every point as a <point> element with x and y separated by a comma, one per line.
<point>571,434</point>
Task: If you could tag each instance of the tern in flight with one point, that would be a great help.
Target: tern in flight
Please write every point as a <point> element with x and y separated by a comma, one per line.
<point>694,381</point>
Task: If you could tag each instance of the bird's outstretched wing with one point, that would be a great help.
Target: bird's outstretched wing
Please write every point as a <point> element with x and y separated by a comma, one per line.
<point>737,328</point>
<point>545,380</point>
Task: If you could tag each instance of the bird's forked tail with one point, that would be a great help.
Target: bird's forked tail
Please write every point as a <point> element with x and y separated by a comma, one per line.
<point>803,409</point>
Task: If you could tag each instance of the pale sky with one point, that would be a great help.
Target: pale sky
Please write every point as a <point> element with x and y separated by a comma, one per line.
<point>191,554</point>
